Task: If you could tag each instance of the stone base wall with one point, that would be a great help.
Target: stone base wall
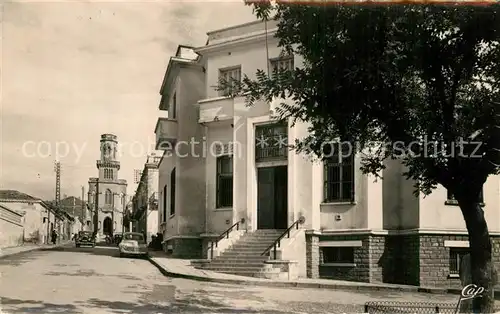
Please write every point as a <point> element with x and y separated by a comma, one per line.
<point>186,248</point>
<point>312,256</point>
<point>420,260</point>
<point>434,260</point>
<point>362,260</point>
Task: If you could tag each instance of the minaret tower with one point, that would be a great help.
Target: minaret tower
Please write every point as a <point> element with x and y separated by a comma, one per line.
<point>108,165</point>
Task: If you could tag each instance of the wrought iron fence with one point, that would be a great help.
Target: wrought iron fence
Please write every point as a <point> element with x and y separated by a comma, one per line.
<point>410,307</point>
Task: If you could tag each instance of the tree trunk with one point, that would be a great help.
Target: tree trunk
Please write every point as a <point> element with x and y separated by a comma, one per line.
<point>483,271</point>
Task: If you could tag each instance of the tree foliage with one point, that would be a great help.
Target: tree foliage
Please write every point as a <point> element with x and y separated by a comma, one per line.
<point>402,75</point>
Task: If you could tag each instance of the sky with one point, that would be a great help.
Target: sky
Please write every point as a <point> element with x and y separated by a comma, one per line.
<point>73,70</point>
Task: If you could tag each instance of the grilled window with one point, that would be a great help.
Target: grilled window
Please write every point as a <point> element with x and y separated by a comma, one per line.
<point>172,192</point>
<point>451,198</point>
<point>224,181</point>
<point>280,64</point>
<point>271,142</point>
<point>227,78</point>
<point>339,175</point>
<point>456,255</point>
<point>337,255</point>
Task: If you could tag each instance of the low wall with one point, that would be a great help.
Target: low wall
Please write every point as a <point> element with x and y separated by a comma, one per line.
<point>11,228</point>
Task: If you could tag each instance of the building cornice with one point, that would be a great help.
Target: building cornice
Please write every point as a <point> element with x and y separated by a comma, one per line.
<point>173,68</point>
<point>238,41</point>
<point>416,231</point>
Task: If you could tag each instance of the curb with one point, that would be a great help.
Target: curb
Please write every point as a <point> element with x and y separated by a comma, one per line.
<point>31,250</point>
<point>292,284</point>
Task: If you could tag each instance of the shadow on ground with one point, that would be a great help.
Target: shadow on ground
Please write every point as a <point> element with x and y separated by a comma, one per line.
<point>103,251</point>
<point>20,258</point>
<point>31,306</point>
<point>189,305</point>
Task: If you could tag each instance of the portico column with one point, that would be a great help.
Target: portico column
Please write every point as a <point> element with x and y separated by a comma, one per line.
<point>240,188</point>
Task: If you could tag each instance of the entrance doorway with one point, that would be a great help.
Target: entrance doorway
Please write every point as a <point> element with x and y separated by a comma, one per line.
<point>272,197</point>
<point>107,226</point>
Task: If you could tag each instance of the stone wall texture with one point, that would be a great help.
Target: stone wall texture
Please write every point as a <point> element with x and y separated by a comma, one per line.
<point>420,260</point>
<point>312,256</point>
<point>186,248</point>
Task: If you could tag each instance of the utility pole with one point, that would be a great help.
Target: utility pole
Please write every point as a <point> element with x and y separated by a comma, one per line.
<point>82,214</point>
<point>113,214</point>
<point>96,210</point>
<point>57,169</point>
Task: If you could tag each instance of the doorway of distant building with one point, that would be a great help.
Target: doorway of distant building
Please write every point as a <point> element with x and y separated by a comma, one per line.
<point>272,196</point>
<point>107,227</point>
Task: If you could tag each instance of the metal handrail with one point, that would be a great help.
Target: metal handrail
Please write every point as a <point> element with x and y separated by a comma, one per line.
<point>277,243</point>
<point>225,234</point>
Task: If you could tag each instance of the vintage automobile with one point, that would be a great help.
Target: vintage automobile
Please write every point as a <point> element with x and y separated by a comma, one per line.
<point>117,238</point>
<point>133,244</point>
<point>85,238</point>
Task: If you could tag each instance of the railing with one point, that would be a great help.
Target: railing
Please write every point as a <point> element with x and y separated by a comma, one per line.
<point>223,235</point>
<point>277,243</point>
<point>409,307</point>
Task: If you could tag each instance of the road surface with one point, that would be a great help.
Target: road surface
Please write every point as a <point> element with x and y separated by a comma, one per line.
<point>87,280</point>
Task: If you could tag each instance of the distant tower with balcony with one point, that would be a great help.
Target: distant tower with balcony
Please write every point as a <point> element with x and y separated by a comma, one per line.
<point>112,191</point>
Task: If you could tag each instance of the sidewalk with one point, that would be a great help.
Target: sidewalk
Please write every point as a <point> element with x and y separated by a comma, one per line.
<point>9,251</point>
<point>181,268</point>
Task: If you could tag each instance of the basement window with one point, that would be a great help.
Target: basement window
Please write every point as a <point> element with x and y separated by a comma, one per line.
<point>337,256</point>
<point>456,255</point>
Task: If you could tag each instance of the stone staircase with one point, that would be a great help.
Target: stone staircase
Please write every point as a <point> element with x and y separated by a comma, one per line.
<point>244,256</point>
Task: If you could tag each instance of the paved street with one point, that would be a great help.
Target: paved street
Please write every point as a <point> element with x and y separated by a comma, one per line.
<point>90,280</point>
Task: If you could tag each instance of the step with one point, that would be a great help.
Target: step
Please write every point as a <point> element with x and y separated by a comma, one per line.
<point>240,273</point>
<point>248,249</point>
<point>248,258</point>
<point>244,247</point>
<point>243,253</point>
<point>221,264</point>
<point>250,272</point>
<point>239,261</point>
<point>256,241</point>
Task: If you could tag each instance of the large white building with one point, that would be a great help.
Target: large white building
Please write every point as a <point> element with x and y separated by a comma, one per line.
<point>226,165</point>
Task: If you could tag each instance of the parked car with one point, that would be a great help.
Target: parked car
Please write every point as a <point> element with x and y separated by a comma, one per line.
<point>133,244</point>
<point>117,238</point>
<point>85,238</point>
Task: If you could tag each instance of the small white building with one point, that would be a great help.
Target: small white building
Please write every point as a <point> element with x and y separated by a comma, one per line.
<point>227,166</point>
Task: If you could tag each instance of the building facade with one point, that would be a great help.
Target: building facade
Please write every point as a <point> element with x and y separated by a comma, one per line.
<point>39,218</point>
<point>354,227</point>
<point>107,190</point>
<point>145,204</point>
<point>11,227</point>
<point>182,214</point>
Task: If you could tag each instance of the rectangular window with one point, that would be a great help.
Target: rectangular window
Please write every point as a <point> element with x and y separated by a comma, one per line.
<point>228,77</point>
<point>282,63</point>
<point>337,255</point>
<point>174,106</point>
<point>224,181</point>
<point>271,142</point>
<point>172,192</point>
<point>450,198</point>
<point>456,255</point>
<point>164,203</point>
<point>339,175</point>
